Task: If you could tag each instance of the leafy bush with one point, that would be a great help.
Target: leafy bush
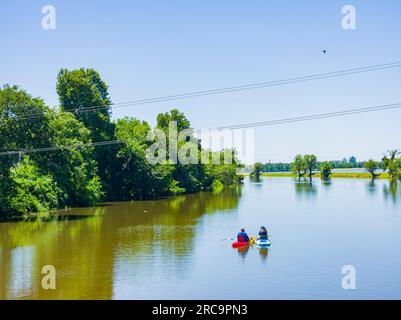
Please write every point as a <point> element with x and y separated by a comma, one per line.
<point>372,167</point>
<point>217,186</point>
<point>325,170</point>
<point>30,191</point>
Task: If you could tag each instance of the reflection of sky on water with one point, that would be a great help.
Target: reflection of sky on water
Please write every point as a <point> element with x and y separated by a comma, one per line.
<point>20,280</point>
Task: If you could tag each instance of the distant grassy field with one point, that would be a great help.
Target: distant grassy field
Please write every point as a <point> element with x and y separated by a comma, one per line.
<point>356,175</point>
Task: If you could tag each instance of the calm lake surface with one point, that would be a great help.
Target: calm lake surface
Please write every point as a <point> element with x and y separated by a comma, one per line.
<point>178,248</point>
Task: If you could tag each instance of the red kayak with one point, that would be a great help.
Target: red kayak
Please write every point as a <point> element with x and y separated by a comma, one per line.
<point>240,244</point>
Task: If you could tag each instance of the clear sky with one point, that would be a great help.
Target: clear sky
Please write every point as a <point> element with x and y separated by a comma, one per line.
<point>146,49</point>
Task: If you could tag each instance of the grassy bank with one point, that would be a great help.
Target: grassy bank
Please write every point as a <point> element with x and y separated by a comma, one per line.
<point>354,175</point>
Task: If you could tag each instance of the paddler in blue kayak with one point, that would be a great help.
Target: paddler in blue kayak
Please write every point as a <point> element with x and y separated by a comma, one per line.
<point>242,236</point>
<point>263,233</point>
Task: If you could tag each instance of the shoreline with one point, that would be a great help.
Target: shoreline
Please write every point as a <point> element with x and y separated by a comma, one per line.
<point>349,175</point>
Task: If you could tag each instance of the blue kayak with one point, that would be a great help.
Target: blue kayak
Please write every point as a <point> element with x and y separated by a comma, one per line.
<point>263,243</point>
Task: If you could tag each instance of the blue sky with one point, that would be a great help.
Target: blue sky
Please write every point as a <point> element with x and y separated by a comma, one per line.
<point>147,49</point>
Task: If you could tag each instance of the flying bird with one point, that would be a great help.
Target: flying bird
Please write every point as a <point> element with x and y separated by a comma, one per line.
<point>324,51</point>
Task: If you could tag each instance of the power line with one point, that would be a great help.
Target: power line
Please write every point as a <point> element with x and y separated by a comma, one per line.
<point>306,118</point>
<point>73,146</point>
<point>238,126</point>
<point>258,85</point>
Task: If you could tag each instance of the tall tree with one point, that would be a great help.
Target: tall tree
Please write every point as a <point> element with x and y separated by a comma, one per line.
<point>394,169</point>
<point>73,167</point>
<point>372,166</point>
<point>18,129</point>
<point>385,162</point>
<point>393,154</point>
<point>258,168</point>
<point>298,166</point>
<point>189,176</point>
<point>85,94</point>
<point>163,120</point>
<point>310,161</point>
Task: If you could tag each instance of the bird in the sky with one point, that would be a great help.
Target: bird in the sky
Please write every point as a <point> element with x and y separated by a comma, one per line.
<point>324,51</point>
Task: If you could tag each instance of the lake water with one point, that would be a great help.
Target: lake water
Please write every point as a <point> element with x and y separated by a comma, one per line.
<point>178,248</point>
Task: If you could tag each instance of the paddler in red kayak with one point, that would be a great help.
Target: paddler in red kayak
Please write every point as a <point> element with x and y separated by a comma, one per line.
<point>242,236</point>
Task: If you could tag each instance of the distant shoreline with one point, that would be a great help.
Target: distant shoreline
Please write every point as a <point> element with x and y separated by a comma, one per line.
<point>350,175</point>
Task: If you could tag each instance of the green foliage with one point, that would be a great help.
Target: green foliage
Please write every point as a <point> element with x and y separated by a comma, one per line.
<point>352,160</point>
<point>77,174</point>
<point>393,154</point>
<point>385,163</point>
<point>258,168</point>
<point>372,166</point>
<point>310,162</point>
<point>217,186</point>
<point>163,120</point>
<point>304,165</point>
<point>325,171</point>
<point>298,166</point>
<point>29,190</point>
<point>85,94</point>
<point>286,167</point>
<point>174,187</point>
<point>16,134</point>
<point>392,164</point>
<point>277,167</point>
<point>225,173</point>
<point>137,178</point>
<point>394,169</point>
<point>74,169</point>
<point>81,90</point>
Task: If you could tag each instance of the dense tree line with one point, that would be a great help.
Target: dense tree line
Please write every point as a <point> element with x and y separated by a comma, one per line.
<point>84,175</point>
<point>308,165</point>
<point>343,164</point>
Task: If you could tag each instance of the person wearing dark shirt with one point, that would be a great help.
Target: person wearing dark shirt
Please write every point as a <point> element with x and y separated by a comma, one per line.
<point>263,233</point>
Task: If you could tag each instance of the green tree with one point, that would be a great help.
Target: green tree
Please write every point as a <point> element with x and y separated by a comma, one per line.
<point>83,93</point>
<point>385,162</point>
<point>393,154</point>
<point>394,169</point>
<point>258,168</point>
<point>310,161</point>
<point>298,166</point>
<point>18,129</point>
<point>352,160</point>
<point>73,173</point>
<point>388,162</point>
<point>73,167</point>
<point>372,166</point>
<point>191,177</point>
<point>164,119</point>
<point>29,190</point>
<point>136,175</point>
<point>325,170</point>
